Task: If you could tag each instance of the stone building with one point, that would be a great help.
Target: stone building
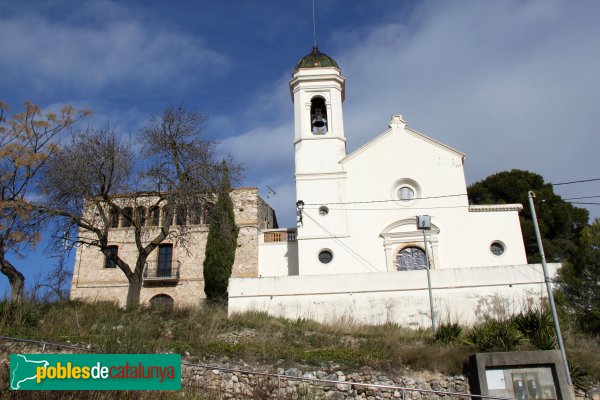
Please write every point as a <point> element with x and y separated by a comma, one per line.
<point>174,273</point>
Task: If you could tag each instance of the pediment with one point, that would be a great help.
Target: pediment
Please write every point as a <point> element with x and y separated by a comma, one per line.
<point>404,228</point>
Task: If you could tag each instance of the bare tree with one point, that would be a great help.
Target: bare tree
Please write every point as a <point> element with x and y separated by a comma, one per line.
<point>27,139</point>
<point>97,177</point>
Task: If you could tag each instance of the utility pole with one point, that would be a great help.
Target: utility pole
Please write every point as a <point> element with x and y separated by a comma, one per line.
<point>549,288</point>
<point>424,224</point>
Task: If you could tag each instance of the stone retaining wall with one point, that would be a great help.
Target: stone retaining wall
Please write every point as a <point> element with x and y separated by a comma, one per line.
<point>217,384</point>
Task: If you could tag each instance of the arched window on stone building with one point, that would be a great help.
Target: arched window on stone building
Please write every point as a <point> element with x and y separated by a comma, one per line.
<point>140,215</point>
<point>127,217</point>
<point>162,300</point>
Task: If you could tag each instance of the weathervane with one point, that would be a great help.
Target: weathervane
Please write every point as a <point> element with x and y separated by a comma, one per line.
<point>314,26</point>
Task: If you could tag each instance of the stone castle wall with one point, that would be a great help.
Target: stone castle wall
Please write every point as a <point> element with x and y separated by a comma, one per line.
<point>92,281</point>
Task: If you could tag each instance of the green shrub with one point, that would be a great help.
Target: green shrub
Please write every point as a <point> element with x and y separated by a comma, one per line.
<point>536,324</point>
<point>579,376</point>
<point>494,335</point>
<point>18,315</point>
<point>447,333</point>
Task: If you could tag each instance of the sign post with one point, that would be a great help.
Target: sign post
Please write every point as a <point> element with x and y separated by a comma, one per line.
<point>424,224</point>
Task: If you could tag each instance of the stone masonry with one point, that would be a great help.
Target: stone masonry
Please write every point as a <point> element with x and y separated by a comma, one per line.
<point>93,282</point>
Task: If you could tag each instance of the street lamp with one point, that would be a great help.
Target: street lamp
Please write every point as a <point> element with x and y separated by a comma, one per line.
<point>300,208</point>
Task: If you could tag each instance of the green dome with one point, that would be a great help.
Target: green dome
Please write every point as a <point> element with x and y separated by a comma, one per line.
<point>316,59</point>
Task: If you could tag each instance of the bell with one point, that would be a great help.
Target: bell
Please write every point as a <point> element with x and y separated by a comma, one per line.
<point>319,121</point>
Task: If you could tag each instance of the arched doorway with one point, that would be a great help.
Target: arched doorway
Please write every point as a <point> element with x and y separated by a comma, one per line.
<point>162,300</point>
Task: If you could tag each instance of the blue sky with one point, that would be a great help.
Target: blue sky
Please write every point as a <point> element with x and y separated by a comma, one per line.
<point>513,84</point>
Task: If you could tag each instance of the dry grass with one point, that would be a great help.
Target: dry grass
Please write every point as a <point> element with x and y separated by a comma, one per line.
<point>206,333</point>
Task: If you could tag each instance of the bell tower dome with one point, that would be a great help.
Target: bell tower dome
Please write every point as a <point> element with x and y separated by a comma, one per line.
<point>317,89</point>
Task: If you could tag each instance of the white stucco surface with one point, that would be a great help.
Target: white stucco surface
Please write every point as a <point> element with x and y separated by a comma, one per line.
<point>464,295</point>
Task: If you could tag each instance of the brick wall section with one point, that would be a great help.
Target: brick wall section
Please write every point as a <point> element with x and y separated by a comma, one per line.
<point>91,281</point>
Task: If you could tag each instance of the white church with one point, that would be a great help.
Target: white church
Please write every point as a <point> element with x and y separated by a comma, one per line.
<point>357,252</point>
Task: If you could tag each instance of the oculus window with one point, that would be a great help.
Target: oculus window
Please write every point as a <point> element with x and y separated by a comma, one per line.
<point>325,256</point>
<point>406,193</point>
<point>497,248</point>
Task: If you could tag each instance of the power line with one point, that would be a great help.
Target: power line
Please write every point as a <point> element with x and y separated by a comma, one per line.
<point>387,201</point>
<point>455,195</point>
<point>443,207</point>
<point>572,182</point>
<point>582,197</point>
<point>363,260</point>
<point>447,196</point>
<point>398,208</point>
<point>344,246</point>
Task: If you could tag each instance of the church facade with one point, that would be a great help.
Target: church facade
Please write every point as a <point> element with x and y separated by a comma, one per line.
<point>357,250</point>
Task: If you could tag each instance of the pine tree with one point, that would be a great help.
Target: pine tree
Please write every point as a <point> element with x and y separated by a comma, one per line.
<point>221,244</point>
<point>579,281</point>
<point>560,222</point>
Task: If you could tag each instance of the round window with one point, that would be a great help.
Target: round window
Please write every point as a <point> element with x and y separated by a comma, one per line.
<point>323,211</point>
<point>325,256</point>
<point>406,193</point>
<point>497,248</point>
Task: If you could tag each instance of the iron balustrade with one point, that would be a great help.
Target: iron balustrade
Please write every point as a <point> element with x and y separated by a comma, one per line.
<point>155,271</point>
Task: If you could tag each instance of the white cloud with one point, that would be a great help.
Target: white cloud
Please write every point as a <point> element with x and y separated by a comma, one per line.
<point>263,148</point>
<point>512,84</point>
<point>107,52</point>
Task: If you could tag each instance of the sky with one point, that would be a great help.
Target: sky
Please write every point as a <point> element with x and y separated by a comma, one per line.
<point>512,83</point>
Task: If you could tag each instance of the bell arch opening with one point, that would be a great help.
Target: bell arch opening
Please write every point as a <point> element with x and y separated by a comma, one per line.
<point>318,116</point>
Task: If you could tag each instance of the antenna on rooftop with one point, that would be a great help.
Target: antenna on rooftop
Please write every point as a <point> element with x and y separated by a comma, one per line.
<point>314,25</point>
<point>270,191</point>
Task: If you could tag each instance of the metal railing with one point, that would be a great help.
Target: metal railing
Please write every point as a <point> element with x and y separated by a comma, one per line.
<point>284,235</point>
<point>161,272</point>
<point>282,377</point>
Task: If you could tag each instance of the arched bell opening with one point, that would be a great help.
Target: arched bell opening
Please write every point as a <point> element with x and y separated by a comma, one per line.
<point>318,116</point>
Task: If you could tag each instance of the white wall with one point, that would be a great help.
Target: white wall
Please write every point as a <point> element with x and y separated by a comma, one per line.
<point>363,239</point>
<point>277,258</point>
<point>464,295</point>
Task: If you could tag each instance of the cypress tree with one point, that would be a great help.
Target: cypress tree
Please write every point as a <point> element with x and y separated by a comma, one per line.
<point>221,244</point>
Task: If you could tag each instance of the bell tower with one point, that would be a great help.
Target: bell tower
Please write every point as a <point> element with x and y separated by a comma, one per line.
<point>317,89</point>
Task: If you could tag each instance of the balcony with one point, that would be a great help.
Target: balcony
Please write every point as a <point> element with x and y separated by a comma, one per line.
<point>155,272</point>
<point>280,235</point>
